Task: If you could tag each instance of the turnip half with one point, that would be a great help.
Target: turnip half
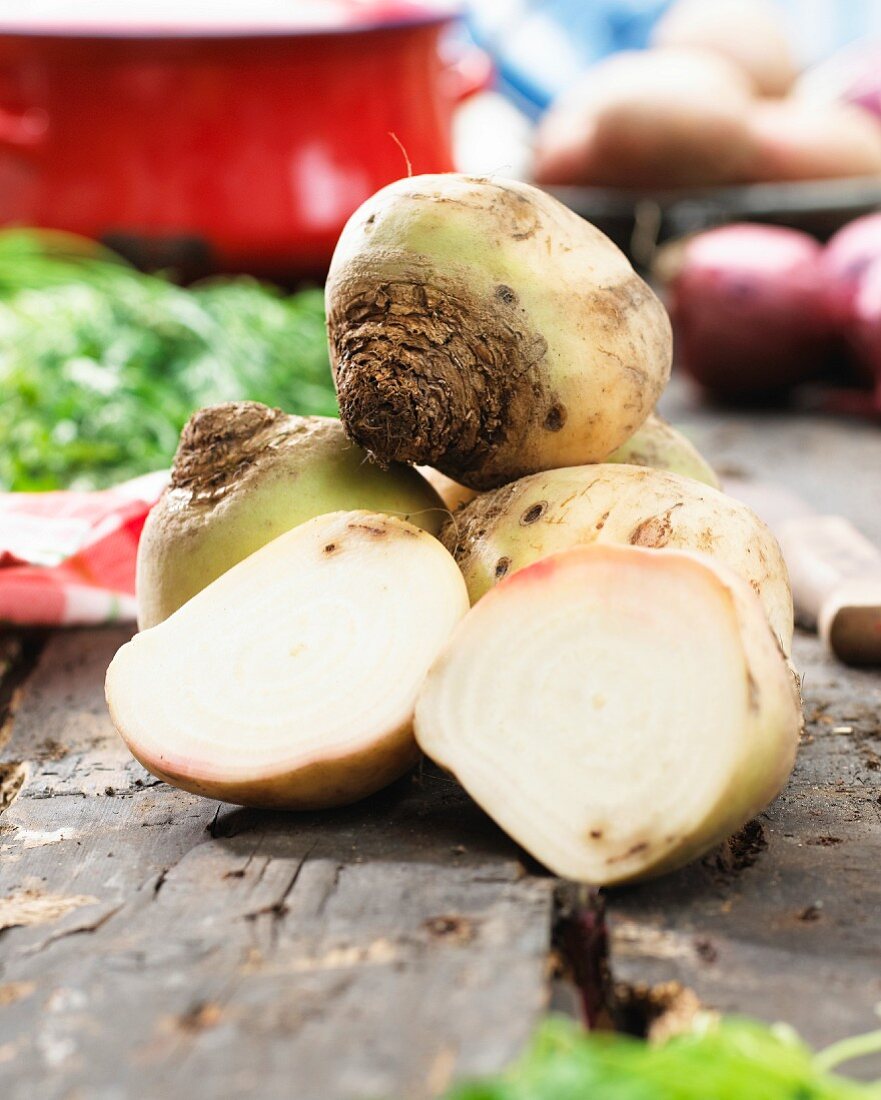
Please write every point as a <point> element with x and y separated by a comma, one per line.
<point>512,527</point>
<point>291,680</point>
<point>243,475</point>
<point>480,327</point>
<point>659,445</point>
<point>616,711</point>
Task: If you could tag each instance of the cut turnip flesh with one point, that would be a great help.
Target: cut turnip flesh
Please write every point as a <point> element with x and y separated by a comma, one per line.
<point>290,681</point>
<point>616,710</point>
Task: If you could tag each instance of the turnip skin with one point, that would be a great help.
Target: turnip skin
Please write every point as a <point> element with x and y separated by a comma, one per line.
<point>243,475</point>
<point>480,327</point>
<point>290,681</point>
<point>512,527</point>
<point>660,446</point>
<point>537,705</point>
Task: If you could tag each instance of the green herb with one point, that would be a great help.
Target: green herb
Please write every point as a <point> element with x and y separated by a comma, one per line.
<point>100,365</point>
<point>728,1059</point>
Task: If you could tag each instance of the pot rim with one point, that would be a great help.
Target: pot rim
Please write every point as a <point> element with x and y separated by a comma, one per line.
<point>440,12</point>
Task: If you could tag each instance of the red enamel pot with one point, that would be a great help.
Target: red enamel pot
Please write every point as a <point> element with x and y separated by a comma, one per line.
<point>230,147</point>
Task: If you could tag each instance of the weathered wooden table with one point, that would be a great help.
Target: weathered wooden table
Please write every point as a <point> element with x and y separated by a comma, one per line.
<point>154,944</point>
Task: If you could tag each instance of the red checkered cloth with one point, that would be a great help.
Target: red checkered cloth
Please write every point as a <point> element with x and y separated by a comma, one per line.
<point>68,558</point>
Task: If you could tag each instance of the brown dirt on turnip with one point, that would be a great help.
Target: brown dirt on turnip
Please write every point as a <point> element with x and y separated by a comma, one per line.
<point>219,443</point>
<point>431,374</point>
<point>463,531</point>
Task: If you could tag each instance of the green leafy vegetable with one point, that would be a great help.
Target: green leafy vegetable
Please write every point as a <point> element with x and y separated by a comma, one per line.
<point>728,1059</point>
<point>100,365</point>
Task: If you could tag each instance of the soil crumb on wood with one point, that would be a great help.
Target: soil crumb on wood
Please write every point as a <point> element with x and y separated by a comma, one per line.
<point>739,851</point>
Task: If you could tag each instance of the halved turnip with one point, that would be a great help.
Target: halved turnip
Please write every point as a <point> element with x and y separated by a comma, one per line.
<point>617,711</point>
<point>290,681</point>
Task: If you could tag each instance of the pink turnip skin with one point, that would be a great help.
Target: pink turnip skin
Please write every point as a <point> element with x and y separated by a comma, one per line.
<point>864,331</point>
<point>747,309</point>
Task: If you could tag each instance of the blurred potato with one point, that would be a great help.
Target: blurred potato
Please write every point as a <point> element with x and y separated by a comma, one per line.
<point>798,141</point>
<point>747,32</point>
<point>652,120</point>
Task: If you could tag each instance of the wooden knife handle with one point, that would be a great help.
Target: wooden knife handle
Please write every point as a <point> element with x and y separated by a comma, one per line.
<point>836,584</point>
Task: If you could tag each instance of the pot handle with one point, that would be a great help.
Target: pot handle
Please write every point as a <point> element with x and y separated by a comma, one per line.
<point>471,73</point>
<point>23,131</point>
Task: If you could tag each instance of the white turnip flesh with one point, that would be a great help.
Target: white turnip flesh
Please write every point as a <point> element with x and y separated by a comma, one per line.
<point>290,681</point>
<point>616,711</point>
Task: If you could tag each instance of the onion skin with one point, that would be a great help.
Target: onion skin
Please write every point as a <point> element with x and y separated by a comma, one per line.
<point>864,331</point>
<point>748,311</point>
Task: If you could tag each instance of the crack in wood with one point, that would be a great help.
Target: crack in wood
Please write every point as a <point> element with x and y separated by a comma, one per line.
<point>87,928</point>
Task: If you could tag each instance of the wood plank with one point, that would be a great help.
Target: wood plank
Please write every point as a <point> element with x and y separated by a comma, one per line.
<point>788,928</point>
<point>174,946</point>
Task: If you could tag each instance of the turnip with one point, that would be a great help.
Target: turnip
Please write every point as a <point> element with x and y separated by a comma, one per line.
<point>616,711</point>
<point>748,33</point>
<point>480,327</point>
<point>512,527</point>
<point>291,680</point>
<point>659,445</point>
<point>243,475</point>
<point>748,310</point>
<point>649,120</point>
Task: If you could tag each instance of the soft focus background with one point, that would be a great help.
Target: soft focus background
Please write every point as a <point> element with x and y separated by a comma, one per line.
<point>174,175</point>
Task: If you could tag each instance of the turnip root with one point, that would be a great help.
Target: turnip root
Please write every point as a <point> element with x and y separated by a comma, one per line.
<point>748,33</point>
<point>451,492</point>
<point>512,527</point>
<point>748,310</point>
<point>243,475</point>
<point>659,445</point>
<point>291,680</point>
<point>480,327</point>
<point>616,711</point>
<point>649,120</point>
